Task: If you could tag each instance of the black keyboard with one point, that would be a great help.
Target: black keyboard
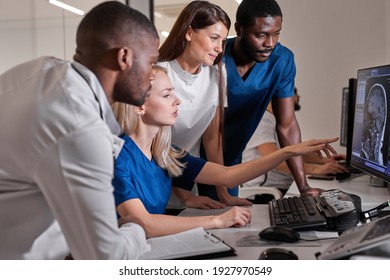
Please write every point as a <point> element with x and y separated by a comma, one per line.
<point>297,212</point>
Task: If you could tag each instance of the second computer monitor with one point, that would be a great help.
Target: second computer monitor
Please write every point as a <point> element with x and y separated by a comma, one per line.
<point>347,117</point>
<point>344,117</point>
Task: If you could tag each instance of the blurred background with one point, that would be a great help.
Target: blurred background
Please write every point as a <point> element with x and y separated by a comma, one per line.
<point>330,39</point>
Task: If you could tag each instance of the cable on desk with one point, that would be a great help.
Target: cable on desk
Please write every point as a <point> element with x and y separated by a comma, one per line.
<point>368,215</point>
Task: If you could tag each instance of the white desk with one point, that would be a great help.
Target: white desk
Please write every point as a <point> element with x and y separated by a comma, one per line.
<point>371,196</point>
<point>359,185</point>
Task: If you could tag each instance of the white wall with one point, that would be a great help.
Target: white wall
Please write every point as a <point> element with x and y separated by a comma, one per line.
<point>32,28</point>
<point>331,39</point>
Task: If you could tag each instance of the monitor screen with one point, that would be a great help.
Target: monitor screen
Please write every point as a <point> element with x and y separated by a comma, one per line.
<point>370,141</point>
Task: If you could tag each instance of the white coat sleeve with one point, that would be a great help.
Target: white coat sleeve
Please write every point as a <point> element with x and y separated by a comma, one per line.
<point>75,176</point>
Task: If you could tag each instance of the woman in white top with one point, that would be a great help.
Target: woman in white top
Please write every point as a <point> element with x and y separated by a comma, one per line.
<point>192,56</point>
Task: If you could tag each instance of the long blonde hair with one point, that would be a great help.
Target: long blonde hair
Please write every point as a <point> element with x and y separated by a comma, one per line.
<point>165,155</point>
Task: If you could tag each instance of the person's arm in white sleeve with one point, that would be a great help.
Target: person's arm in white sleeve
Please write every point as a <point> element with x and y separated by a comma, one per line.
<point>75,176</point>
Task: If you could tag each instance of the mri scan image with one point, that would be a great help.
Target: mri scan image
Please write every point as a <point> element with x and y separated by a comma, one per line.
<point>375,123</point>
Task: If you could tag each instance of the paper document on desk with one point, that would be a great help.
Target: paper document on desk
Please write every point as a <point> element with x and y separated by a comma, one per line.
<point>191,244</point>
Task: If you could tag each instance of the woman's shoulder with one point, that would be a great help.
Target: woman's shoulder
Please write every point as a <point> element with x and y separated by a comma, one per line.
<point>164,64</point>
<point>128,148</point>
<point>211,71</point>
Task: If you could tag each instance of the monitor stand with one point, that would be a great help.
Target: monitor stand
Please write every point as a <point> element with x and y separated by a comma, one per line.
<point>376,182</point>
<point>351,176</point>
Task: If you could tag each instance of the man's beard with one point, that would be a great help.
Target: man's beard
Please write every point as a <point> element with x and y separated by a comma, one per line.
<point>251,52</point>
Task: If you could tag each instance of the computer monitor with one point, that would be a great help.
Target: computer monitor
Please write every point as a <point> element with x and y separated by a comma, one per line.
<point>350,117</point>
<point>370,141</point>
<point>344,117</point>
<point>347,116</point>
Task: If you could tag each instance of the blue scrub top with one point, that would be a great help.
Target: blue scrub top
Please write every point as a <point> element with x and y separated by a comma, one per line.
<point>248,99</point>
<point>136,176</point>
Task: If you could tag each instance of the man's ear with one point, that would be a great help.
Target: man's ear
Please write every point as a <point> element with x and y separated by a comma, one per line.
<point>125,58</point>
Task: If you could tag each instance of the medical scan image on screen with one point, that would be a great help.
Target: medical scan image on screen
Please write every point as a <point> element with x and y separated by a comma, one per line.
<point>374,124</point>
<point>370,143</point>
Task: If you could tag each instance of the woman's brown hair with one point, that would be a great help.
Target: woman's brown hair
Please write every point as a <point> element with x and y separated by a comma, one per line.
<point>197,15</point>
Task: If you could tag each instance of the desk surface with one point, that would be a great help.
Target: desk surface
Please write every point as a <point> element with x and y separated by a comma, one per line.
<point>371,196</point>
<point>357,185</point>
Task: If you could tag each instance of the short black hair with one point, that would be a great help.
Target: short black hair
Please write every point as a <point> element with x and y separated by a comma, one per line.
<point>116,23</point>
<point>249,10</point>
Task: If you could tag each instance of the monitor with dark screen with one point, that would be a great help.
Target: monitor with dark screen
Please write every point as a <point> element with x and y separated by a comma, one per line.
<point>370,141</point>
<point>344,117</point>
<point>347,116</point>
<point>350,117</point>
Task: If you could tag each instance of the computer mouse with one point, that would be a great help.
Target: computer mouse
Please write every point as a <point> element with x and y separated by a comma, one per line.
<point>277,254</point>
<point>279,233</point>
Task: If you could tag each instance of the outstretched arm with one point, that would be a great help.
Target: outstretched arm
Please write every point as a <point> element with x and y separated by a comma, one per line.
<point>324,166</point>
<point>231,176</point>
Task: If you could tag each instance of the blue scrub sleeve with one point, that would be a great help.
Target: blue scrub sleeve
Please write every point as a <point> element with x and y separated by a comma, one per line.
<point>193,166</point>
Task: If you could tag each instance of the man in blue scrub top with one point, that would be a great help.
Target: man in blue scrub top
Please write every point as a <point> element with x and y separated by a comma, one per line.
<point>259,70</point>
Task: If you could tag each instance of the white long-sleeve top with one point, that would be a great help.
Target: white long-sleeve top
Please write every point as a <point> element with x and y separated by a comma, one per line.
<point>56,166</point>
<point>199,95</point>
